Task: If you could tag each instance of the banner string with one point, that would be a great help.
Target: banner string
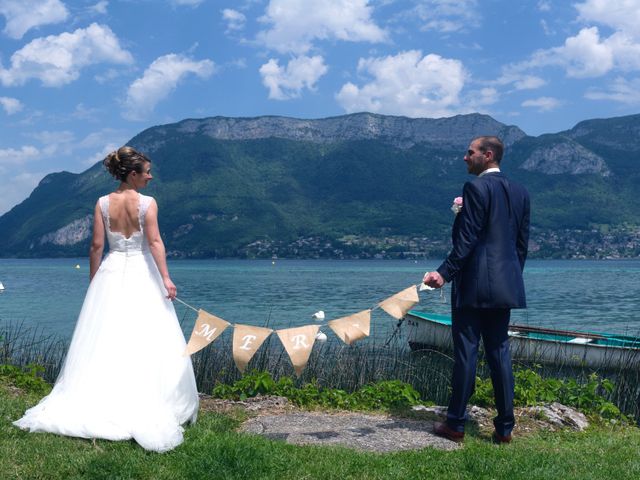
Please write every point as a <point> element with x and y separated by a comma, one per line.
<point>375,307</point>
<point>186,304</point>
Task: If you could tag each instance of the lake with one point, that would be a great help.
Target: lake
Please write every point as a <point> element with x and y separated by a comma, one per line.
<point>594,295</point>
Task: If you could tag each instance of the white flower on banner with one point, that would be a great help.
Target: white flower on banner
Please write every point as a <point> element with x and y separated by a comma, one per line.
<point>319,315</point>
<point>321,337</point>
<point>424,286</point>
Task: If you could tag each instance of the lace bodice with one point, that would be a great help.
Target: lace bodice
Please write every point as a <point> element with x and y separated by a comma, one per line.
<point>118,242</point>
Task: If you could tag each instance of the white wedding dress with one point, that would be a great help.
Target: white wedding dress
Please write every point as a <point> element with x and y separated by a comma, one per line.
<point>124,375</point>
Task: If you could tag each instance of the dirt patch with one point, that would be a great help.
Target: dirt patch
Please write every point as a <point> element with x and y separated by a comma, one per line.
<point>278,419</point>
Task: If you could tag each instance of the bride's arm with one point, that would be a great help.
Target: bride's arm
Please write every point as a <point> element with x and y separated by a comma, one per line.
<point>156,246</point>
<point>97,242</point>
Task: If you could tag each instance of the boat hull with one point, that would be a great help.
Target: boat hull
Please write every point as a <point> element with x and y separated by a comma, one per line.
<point>432,331</point>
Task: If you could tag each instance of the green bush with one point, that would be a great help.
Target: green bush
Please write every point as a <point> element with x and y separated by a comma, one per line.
<point>391,394</point>
<point>388,394</point>
<point>27,378</point>
<point>532,389</point>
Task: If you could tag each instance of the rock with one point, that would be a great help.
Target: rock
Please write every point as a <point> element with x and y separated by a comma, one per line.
<point>566,157</point>
<point>561,416</point>
<point>436,410</point>
<point>401,132</point>
<point>259,404</point>
<point>479,414</point>
<point>70,234</point>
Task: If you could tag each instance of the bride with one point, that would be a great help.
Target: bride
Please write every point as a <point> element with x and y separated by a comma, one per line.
<point>124,375</point>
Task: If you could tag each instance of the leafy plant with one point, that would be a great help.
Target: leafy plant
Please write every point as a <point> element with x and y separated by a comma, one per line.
<point>27,378</point>
<point>390,394</point>
<point>532,389</point>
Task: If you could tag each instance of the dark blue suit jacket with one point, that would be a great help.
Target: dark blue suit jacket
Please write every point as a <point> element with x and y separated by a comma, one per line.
<point>490,239</point>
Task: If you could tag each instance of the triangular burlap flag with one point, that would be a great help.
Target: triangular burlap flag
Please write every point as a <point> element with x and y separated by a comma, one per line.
<point>207,328</point>
<point>298,343</point>
<point>352,328</point>
<point>246,342</point>
<point>399,304</point>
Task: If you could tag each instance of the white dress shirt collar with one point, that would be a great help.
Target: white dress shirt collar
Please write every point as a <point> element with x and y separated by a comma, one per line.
<point>490,170</point>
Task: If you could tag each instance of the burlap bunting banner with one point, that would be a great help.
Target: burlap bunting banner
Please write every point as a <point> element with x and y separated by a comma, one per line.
<point>352,328</point>
<point>207,328</point>
<point>399,304</point>
<point>246,342</point>
<point>298,343</point>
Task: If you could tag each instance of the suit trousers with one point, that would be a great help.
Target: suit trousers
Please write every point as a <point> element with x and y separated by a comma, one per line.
<point>468,326</point>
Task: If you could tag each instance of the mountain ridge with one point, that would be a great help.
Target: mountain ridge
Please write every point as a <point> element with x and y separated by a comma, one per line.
<point>403,132</point>
<point>350,186</point>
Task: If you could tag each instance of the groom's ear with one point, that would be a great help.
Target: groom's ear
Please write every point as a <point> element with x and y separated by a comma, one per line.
<point>490,157</point>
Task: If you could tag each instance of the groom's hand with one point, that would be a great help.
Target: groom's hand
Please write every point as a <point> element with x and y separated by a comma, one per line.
<point>433,279</point>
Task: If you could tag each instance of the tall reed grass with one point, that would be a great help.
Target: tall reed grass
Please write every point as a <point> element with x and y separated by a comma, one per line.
<point>331,364</point>
<point>21,345</point>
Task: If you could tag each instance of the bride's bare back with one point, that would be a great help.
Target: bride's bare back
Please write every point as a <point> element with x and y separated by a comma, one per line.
<point>123,212</point>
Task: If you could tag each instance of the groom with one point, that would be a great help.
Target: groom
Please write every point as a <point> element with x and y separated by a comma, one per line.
<point>490,237</point>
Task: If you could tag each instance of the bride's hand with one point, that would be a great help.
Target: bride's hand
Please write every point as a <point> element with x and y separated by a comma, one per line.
<point>172,291</point>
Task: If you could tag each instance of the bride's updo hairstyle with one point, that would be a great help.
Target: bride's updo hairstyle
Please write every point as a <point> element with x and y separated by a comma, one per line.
<point>120,163</point>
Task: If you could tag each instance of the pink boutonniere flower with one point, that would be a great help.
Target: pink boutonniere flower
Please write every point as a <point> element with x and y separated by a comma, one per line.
<point>457,205</point>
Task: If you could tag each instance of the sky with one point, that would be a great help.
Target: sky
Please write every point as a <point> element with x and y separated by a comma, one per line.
<point>79,78</point>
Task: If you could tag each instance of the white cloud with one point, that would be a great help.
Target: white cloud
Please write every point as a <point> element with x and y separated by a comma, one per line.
<point>582,56</point>
<point>625,50</point>
<point>543,104</point>
<point>23,15</point>
<point>529,82</point>
<point>99,8</point>
<point>100,154</point>
<point>544,5</point>
<point>159,80</point>
<point>407,84</point>
<point>235,19</point>
<point>545,28</point>
<point>447,16</point>
<point>101,139</point>
<point>57,59</point>
<point>589,54</point>
<point>16,188</point>
<point>189,3</point>
<point>285,83</point>
<point>107,75</point>
<point>520,81</point>
<point>585,55</point>
<point>10,105</point>
<point>620,15</point>
<point>620,90</point>
<point>481,98</point>
<point>239,63</point>
<point>296,24</point>
<point>82,112</point>
<point>55,142</point>
<point>12,156</point>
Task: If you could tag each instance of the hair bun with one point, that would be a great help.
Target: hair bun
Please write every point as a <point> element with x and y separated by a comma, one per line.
<point>123,161</point>
<point>112,163</point>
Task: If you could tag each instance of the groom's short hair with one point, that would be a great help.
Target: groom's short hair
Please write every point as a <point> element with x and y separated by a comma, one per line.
<point>492,143</point>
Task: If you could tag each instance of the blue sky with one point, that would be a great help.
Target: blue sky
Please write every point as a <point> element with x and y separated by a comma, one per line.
<point>79,78</point>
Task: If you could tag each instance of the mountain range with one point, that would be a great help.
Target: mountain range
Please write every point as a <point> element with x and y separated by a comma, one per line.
<point>357,185</point>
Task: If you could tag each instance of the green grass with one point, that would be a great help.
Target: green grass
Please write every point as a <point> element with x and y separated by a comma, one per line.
<point>213,450</point>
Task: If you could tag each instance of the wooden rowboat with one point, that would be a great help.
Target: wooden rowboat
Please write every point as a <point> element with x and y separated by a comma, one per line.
<point>535,344</point>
